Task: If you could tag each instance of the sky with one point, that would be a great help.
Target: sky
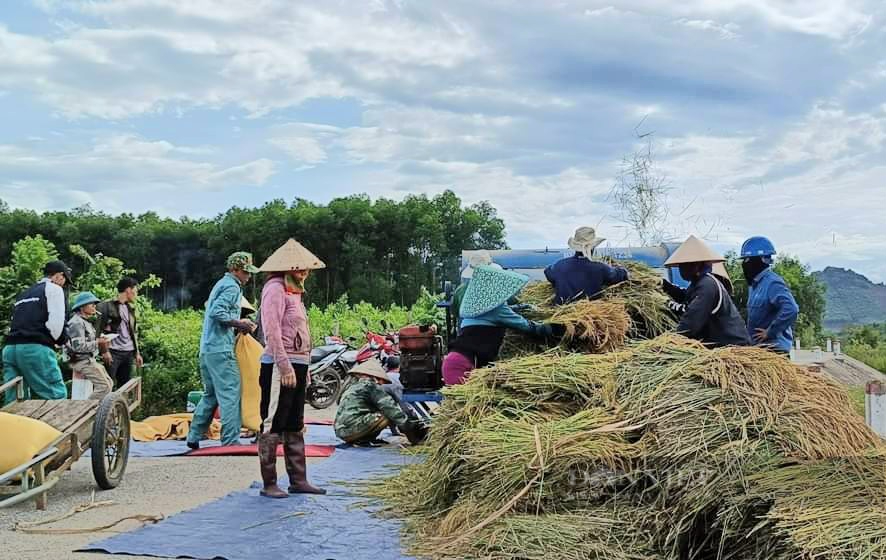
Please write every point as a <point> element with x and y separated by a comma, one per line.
<point>767,117</point>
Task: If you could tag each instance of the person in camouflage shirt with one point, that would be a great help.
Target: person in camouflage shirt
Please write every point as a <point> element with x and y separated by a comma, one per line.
<point>83,345</point>
<point>366,409</point>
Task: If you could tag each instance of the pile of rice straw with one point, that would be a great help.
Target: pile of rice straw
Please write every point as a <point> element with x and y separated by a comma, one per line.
<point>660,450</point>
<point>635,309</point>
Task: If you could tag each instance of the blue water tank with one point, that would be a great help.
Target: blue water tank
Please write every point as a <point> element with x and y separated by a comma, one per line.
<point>533,262</point>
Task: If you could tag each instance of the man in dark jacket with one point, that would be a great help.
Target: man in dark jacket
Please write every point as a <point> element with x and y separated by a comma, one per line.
<point>117,316</point>
<point>37,329</point>
<point>710,315</point>
<point>578,276</point>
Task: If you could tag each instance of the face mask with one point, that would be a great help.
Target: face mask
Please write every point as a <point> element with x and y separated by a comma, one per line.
<point>295,283</point>
<point>752,267</point>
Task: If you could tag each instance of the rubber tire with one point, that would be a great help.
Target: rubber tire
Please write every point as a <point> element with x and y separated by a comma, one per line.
<point>332,399</point>
<point>104,479</point>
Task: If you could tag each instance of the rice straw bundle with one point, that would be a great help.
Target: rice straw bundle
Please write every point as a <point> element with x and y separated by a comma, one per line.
<point>663,450</point>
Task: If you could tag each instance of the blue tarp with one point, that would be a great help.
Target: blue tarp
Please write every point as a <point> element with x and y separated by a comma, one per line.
<point>337,526</point>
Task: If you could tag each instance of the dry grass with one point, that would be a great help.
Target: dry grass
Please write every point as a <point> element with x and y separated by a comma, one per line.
<point>663,450</point>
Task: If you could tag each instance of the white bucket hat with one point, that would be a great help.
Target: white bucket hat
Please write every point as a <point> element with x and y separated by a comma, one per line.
<point>475,259</point>
<point>585,240</point>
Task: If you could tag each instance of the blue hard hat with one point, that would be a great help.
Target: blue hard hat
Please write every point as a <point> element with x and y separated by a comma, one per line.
<point>84,298</point>
<point>757,246</point>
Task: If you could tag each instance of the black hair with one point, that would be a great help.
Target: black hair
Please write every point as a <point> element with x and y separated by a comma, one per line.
<point>125,283</point>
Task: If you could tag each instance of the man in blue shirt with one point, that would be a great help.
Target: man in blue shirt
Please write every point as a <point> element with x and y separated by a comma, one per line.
<point>218,364</point>
<point>772,309</point>
<point>578,276</point>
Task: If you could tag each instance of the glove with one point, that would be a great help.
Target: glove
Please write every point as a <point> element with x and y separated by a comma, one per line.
<point>677,308</point>
<point>558,331</point>
<point>541,330</point>
<point>415,431</point>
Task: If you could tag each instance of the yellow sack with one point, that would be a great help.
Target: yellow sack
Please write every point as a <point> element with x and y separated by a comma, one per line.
<point>21,438</point>
<point>170,426</point>
<point>249,352</point>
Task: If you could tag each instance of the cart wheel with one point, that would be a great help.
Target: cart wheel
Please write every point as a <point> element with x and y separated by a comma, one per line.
<point>110,441</point>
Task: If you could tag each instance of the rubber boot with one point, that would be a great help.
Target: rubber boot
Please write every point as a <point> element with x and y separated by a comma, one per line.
<point>267,459</point>
<point>294,453</point>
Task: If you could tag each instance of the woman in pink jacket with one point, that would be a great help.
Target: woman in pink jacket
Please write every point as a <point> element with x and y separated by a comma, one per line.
<point>284,368</point>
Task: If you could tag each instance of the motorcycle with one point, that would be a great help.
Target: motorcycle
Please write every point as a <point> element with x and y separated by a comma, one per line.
<point>327,372</point>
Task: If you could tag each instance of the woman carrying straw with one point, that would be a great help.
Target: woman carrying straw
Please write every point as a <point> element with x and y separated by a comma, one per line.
<point>486,317</point>
<point>284,368</point>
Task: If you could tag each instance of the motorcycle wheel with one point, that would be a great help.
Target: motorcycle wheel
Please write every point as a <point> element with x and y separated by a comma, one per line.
<point>324,389</point>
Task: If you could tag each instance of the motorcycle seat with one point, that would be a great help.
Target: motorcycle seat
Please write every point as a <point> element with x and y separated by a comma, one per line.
<point>321,352</point>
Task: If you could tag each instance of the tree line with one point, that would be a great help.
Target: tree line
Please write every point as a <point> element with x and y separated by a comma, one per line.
<point>381,251</point>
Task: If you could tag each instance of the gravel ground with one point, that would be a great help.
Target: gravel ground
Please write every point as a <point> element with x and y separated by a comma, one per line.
<point>150,487</point>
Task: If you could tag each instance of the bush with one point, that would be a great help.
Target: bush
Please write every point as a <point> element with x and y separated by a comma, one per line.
<point>872,356</point>
<point>170,346</point>
<point>348,320</point>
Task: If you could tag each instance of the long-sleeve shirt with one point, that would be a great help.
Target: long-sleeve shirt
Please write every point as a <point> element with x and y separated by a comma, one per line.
<point>481,337</point>
<point>710,316</point>
<point>82,342</point>
<point>38,316</point>
<point>222,308</point>
<point>772,306</point>
<point>284,326</point>
<point>361,406</point>
<point>579,277</point>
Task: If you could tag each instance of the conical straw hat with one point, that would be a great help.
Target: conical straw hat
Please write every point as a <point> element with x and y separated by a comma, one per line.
<point>292,256</point>
<point>373,368</point>
<point>693,250</point>
<point>244,304</point>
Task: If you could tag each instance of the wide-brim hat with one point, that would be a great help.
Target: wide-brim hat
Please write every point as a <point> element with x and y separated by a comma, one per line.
<point>490,288</point>
<point>719,270</point>
<point>84,298</point>
<point>475,259</point>
<point>292,256</point>
<point>585,240</point>
<point>371,368</point>
<point>694,250</point>
<point>244,304</point>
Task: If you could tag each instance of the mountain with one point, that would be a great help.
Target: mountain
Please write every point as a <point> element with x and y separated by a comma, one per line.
<point>852,299</point>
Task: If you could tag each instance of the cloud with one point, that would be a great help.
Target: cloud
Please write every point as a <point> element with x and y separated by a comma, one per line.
<point>728,31</point>
<point>304,142</point>
<point>768,115</point>
<point>114,171</point>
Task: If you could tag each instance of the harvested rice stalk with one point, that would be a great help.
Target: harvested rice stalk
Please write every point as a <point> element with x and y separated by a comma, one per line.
<point>644,299</point>
<point>833,509</point>
<point>593,326</point>
<point>502,455</point>
<point>583,534</point>
<point>588,380</point>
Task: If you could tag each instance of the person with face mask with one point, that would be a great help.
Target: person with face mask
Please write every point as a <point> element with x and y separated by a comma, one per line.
<point>283,377</point>
<point>709,315</point>
<point>772,309</point>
